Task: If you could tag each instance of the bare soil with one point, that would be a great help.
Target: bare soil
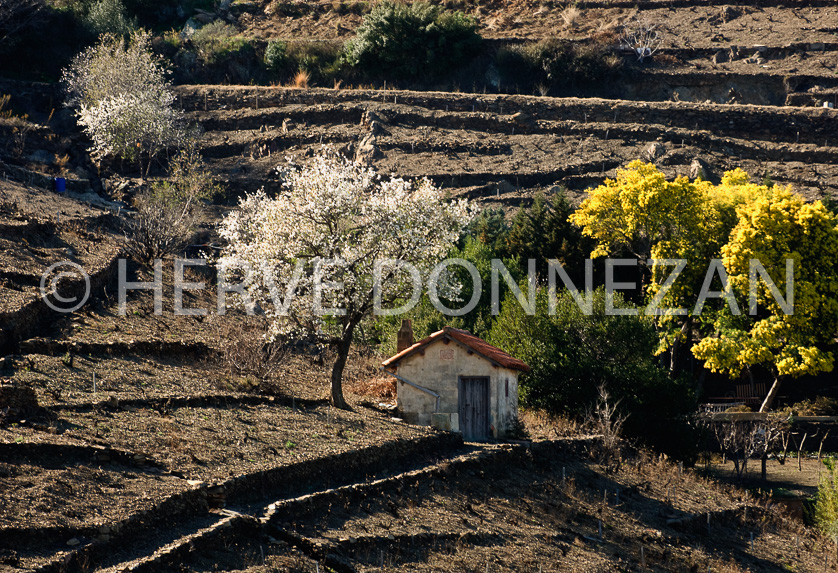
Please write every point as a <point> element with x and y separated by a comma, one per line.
<point>787,480</point>
<point>505,510</point>
<point>177,462</point>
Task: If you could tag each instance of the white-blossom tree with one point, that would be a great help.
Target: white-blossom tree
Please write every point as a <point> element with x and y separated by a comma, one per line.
<point>123,99</point>
<point>318,248</point>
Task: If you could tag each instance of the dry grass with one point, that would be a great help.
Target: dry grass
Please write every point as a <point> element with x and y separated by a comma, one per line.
<point>60,163</point>
<point>301,79</point>
<point>667,60</point>
<point>382,388</point>
<point>541,425</point>
<point>571,15</point>
<point>4,101</point>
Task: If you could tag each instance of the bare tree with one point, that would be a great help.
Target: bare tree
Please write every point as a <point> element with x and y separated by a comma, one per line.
<point>737,440</point>
<point>740,440</point>
<point>642,37</point>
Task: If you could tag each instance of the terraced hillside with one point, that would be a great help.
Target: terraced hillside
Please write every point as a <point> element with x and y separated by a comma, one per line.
<point>507,148</point>
<point>759,52</point>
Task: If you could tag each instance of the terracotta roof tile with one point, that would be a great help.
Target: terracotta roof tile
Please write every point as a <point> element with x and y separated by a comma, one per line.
<point>468,340</point>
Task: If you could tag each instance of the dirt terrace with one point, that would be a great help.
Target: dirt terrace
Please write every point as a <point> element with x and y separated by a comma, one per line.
<point>144,475</point>
<point>509,509</point>
<point>504,149</point>
<point>37,229</point>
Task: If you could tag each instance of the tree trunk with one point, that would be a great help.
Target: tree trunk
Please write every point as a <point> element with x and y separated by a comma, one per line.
<point>686,331</point>
<point>772,394</point>
<point>336,391</point>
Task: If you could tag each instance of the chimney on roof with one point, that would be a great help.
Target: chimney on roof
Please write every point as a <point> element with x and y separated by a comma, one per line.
<point>404,339</point>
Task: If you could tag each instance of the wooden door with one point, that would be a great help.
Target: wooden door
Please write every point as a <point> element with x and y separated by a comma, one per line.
<point>474,407</point>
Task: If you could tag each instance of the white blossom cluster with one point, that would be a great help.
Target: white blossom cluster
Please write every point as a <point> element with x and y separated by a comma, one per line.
<point>122,98</point>
<point>335,230</point>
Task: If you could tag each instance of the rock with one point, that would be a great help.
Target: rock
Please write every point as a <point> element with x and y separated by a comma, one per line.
<point>761,49</point>
<point>699,170</point>
<point>41,156</point>
<point>502,187</point>
<point>225,4</point>
<point>720,57</point>
<point>97,201</point>
<point>367,150</point>
<point>367,118</point>
<point>373,123</point>
<point>728,13</point>
<point>195,482</point>
<point>655,150</point>
<point>204,17</point>
<point>520,117</point>
<point>816,46</point>
<point>81,172</point>
<point>73,542</point>
<point>192,25</point>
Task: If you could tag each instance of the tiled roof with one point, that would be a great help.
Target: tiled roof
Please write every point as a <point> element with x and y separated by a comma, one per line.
<point>467,339</point>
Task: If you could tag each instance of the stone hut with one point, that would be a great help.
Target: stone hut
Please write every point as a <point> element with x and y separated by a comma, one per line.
<point>456,381</point>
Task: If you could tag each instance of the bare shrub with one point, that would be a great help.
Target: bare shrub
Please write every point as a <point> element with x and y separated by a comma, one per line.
<point>642,37</point>
<point>607,422</point>
<point>249,355</point>
<point>167,213</point>
<point>21,128</point>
